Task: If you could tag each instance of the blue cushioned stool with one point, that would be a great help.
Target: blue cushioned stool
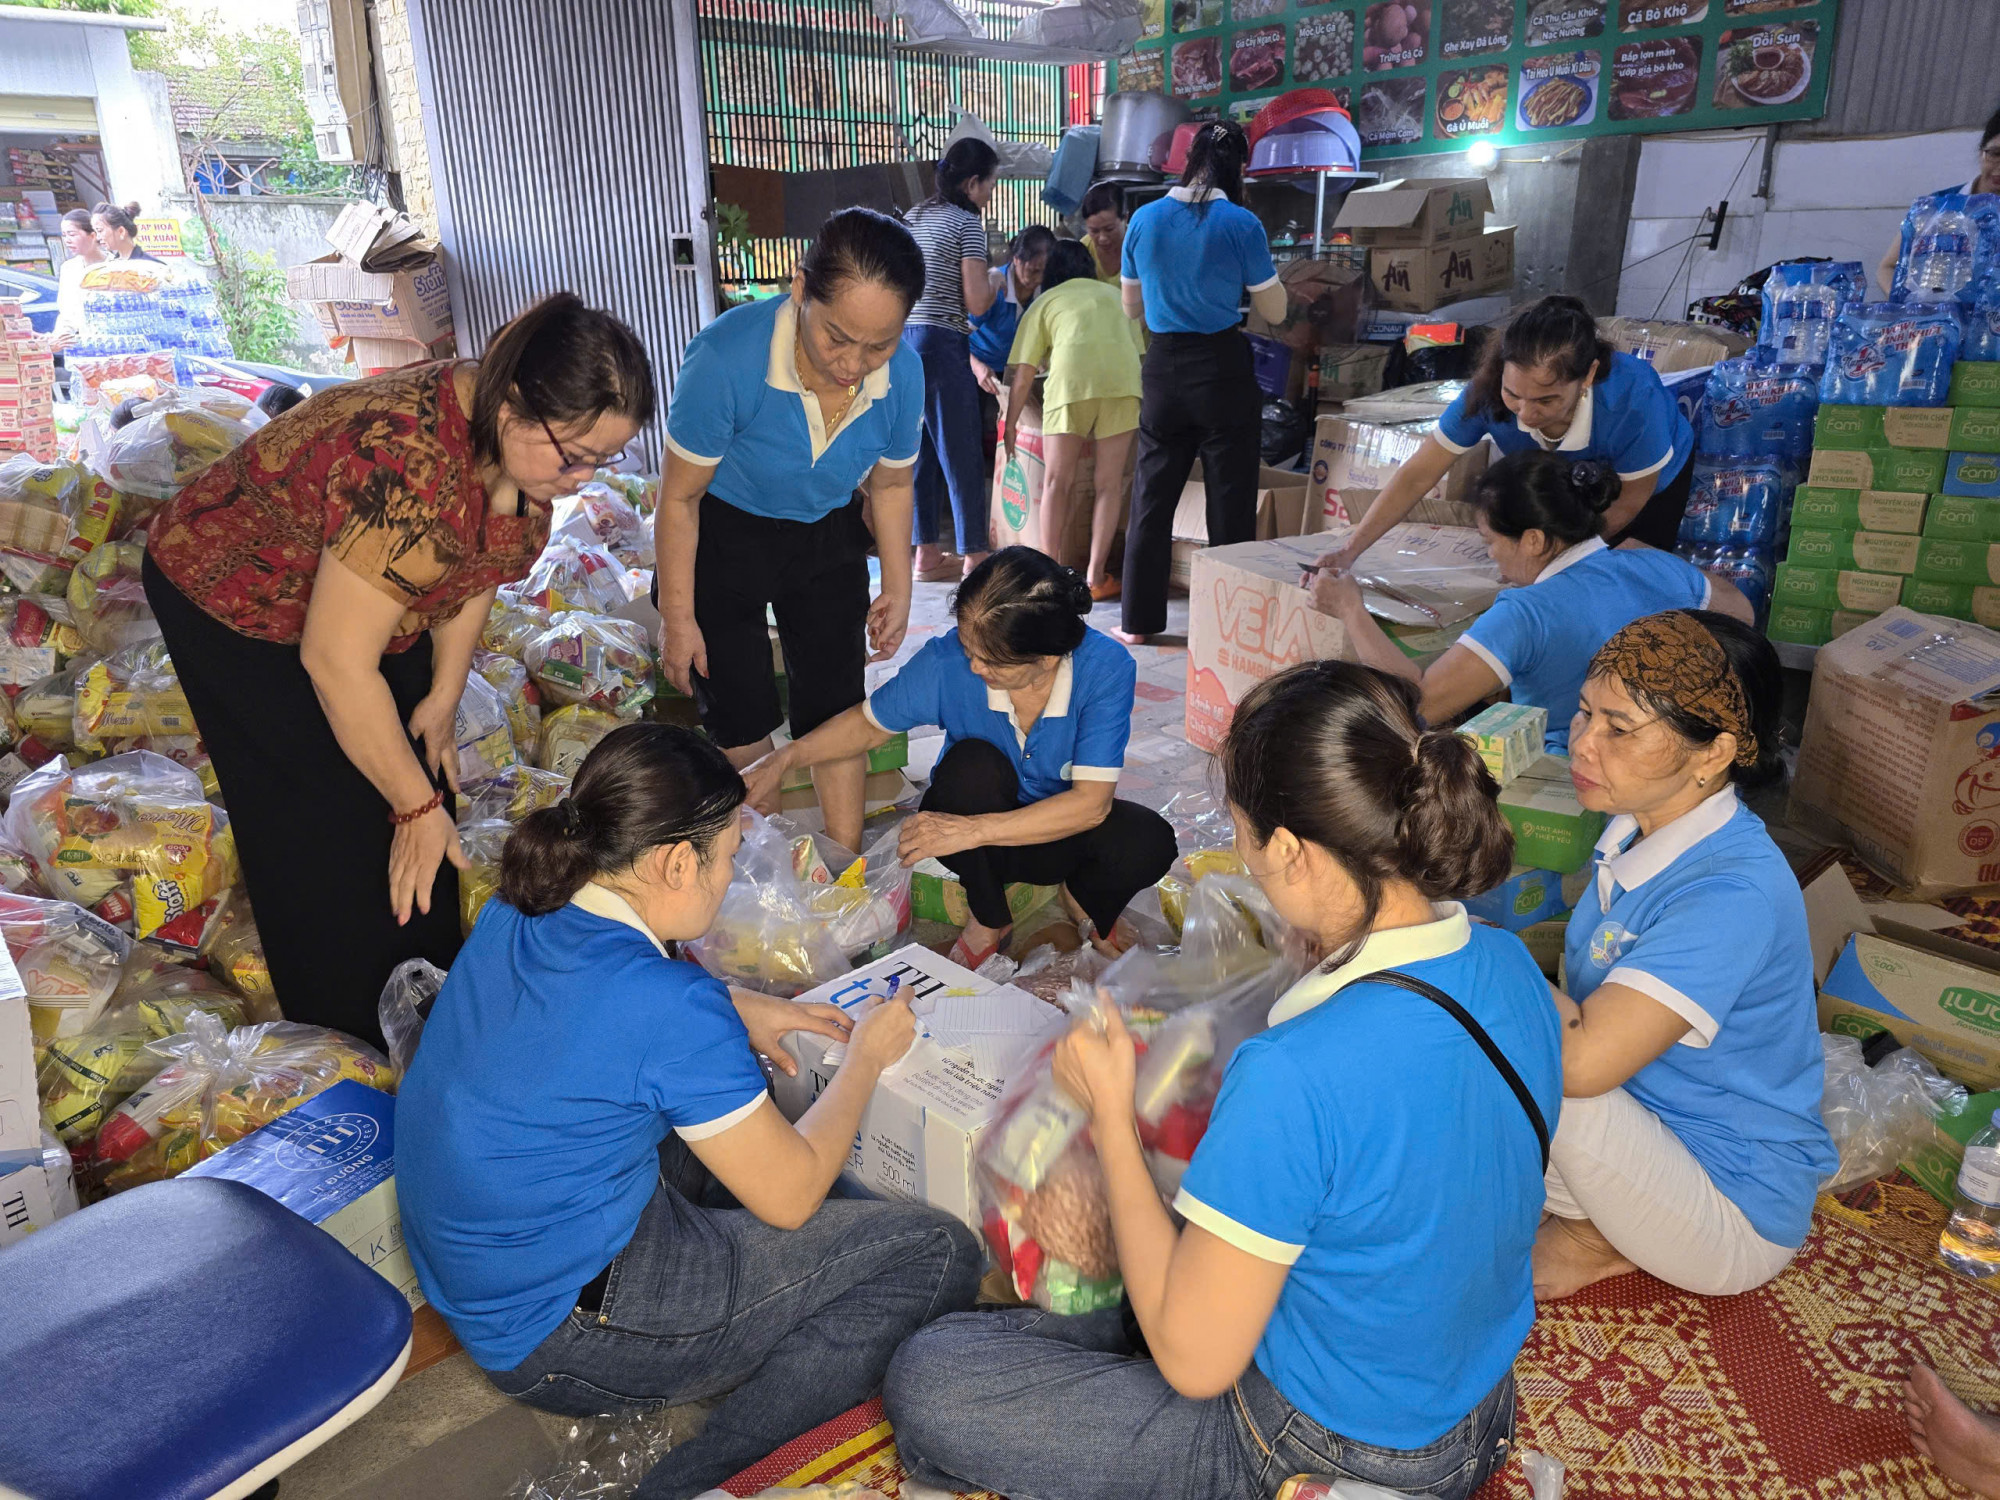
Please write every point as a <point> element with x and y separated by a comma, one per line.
<point>188,1340</point>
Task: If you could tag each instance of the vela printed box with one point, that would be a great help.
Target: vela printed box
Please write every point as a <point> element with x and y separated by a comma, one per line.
<point>920,1133</point>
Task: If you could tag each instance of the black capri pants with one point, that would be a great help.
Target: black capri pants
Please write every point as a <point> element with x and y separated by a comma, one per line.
<point>1104,867</point>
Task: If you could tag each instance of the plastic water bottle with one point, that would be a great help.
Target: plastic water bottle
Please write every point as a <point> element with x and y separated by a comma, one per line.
<point>1941,257</point>
<point>1970,1244</point>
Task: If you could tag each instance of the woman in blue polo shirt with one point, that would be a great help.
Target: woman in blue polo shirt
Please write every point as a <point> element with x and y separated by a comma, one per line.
<point>1691,1144</point>
<point>575,1089</point>
<point>1036,708</point>
<point>1188,260</point>
<point>1352,1284</point>
<point>783,409</point>
<point>1549,382</point>
<point>1015,285</point>
<point>1542,517</point>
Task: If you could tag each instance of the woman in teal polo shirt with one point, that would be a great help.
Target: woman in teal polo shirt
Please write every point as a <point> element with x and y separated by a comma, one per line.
<point>1550,383</point>
<point>582,1099</point>
<point>1542,517</point>
<point>1036,708</point>
<point>1691,1143</point>
<point>782,411</point>
<point>1352,1284</point>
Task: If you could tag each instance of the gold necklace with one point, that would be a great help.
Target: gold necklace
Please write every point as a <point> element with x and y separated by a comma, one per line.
<point>799,363</point>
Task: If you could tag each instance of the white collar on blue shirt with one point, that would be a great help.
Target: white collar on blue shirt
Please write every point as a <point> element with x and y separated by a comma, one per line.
<point>1185,194</point>
<point>1569,557</point>
<point>1578,436</point>
<point>1391,948</point>
<point>602,901</point>
<point>1628,869</point>
<point>782,373</point>
<point>1001,702</point>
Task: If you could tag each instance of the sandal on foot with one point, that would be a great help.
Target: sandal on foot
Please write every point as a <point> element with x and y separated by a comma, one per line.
<point>965,958</point>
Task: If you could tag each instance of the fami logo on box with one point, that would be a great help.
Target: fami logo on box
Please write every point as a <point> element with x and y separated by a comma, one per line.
<point>1974,1007</point>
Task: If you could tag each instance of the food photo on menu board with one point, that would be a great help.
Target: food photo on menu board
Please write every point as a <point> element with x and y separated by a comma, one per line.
<point>1558,91</point>
<point>1764,66</point>
<point>1198,67</point>
<point>1143,72</point>
<point>1324,46</point>
<point>1391,112</point>
<point>1552,22</point>
<point>1197,15</point>
<point>1473,28</point>
<point>1655,79</point>
<point>1472,101</point>
<point>1395,35</point>
<point>1255,10</point>
<point>1257,59</point>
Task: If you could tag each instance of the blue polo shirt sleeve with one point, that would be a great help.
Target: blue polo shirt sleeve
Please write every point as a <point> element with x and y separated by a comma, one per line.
<point>1254,245</point>
<point>1259,1180</point>
<point>1508,637</point>
<point>915,695</point>
<point>1104,717</point>
<point>1128,258</point>
<point>700,1072</point>
<point>1460,429</point>
<point>701,419</point>
<point>906,397</point>
<point>1696,954</point>
<point>1646,422</point>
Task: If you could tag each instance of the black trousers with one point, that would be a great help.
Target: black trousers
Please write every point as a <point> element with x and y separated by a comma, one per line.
<point>1104,867</point>
<point>1198,399</point>
<point>1658,523</point>
<point>312,833</point>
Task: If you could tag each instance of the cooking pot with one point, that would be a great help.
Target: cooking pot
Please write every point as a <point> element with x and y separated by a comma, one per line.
<point>1138,129</point>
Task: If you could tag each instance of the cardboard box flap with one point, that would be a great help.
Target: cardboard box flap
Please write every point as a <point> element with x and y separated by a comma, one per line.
<point>1191,511</point>
<point>1945,661</point>
<point>1835,912</point>
<point>1406,403</point>
<point>378,238</point>
<point>1400,202</point>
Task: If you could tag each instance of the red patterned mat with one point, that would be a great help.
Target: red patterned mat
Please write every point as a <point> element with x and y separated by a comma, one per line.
<point>1979,915</point>
<point>1644,1393</point>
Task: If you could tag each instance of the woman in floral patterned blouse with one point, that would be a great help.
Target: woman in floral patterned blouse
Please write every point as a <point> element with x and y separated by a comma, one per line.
<point>321,591</point>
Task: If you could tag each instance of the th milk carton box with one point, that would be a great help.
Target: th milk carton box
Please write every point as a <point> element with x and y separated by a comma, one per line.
<point>920,1133</point>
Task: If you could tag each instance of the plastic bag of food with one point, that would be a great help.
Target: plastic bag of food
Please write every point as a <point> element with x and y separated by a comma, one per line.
<point>136,819</point>
<point>765,935</point>
<point>1878,1115</point>
<point>166,994</point>
<point>512,623</point>
<point>594,660</point>
<point>1188,871</point>
<point>70,962</point>
<point>864,900</point>
<point>174,438</point>
<point>571,577</point>
<point>236,952</point>
<point>405,1006</point>
<point>107,598</point>
<point>485,737</point>
<point>132,699</point>
<point>1042,1190</point>
<point>509,679</point>
<point>512,795</point>
<point>219,1085</point>
<point>81,1079</point>
<point>599,516</point>
<point>45,710</point>
<point>482,843</point>
<point>40,508</point>
<point>568,735</point>
<point>34,644</point>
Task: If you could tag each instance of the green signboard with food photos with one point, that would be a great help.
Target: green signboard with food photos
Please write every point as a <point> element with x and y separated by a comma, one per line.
<point>1434,75</point>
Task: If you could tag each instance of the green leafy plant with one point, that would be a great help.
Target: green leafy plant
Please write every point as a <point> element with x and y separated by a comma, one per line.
<point>250,289</point>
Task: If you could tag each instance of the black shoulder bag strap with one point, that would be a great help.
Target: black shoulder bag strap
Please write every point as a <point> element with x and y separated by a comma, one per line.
<point>1477,1032</point>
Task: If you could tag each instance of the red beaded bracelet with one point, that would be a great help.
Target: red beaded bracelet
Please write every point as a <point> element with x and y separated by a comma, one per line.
<point>400,818</point>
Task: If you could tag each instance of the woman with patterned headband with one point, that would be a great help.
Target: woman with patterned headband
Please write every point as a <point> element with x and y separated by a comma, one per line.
<point>1690,1144</point>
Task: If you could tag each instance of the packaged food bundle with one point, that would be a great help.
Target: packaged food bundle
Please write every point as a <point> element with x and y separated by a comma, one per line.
<point>136,818</point>
<point>235,951</point>
<point>568,576</point>
<point>100,381</point>
<point>514,793</point>
<point>17,866</point>
<point>1186,873</point>
<point>34,644</point>
<point>165,994</point>
<point>123,276</point>
<point>568,735</point>
<point>1892,354</point>
<point>765,935</point>
<point>107,598</point>
<point>484,735</point>
<point>599,516</point>
<point>594,660</point>
<point>1754,411</point>
<point>70,962</point>
<point>1951,248</point>
<point>218,1085</point>
<point>45,710</point>
<point>482,843</point>
<point>509,679</point>
<point>174,438</point>
<point>82,1078</point>
<point>1045,1212</point>
<point>864,901</point>
<point>512,623</point>
<point>639,491</point>
<point>133,700</point>
<point>40,504</point>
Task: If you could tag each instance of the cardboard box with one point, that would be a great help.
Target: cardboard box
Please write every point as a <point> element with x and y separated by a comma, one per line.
<point>1864,551</point>
<point>1424,279</point>
<point>1946,1009</point>
<point>1671,347</point>
<point>1350,371</point>
<point>1944,560</point>
<point>1901,751</point>
<point>1826,588</point>
<point>1017,492</point>
<point>1509,737</point>
<point>1248,619</point>
<point>332,1161</point>
<point>372,356</point>
<point>880,792</point>
<point>937,895</point>
<point>920,1133</point>
<point>1804,625</point>
<point>1823,509</point>
<point>1965,518</point>
<point>1934,1162</point>
<point>412,303</point>
<point>1838,426</point>
<point>1552,830</point>
<point>20,1103</point>
<point>1975,429</point>
<point>379,238</point>
<point>1281,510</point>
<point>34,1196</point>
<point>1322,306</point>
<point>1975,474</point>
<point>1416,212</point>
<point>1904,469</point>
<point>1525,897</point>
<point>1544,942</point>
<point>1957,601</point>
<point>1975,383</point>
<point>1353,459</point>
<point>892,756</point>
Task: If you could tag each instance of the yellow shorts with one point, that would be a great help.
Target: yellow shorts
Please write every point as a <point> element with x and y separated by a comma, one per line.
<point>1099,417</point>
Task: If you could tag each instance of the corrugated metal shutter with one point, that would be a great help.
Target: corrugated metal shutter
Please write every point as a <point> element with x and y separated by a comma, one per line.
<point>1903,66</point>
<point>569,150</point>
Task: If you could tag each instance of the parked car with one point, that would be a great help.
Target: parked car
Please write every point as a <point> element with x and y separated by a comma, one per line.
<point>37,294</point>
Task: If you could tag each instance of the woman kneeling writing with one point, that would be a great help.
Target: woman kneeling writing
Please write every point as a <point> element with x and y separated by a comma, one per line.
<point>1691,1143</point>
<point>574,1091</point>
<point>1352,1284</point>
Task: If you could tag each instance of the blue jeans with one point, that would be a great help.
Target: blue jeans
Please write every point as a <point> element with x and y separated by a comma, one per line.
<point>1039,1407</point>
<point>953,459</point>
<point>795,1325</point>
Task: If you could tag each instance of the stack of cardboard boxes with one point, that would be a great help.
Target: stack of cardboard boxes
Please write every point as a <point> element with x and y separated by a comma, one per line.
<point>382,296</point>
<point>1428,241</point>
<point>27,387</point>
